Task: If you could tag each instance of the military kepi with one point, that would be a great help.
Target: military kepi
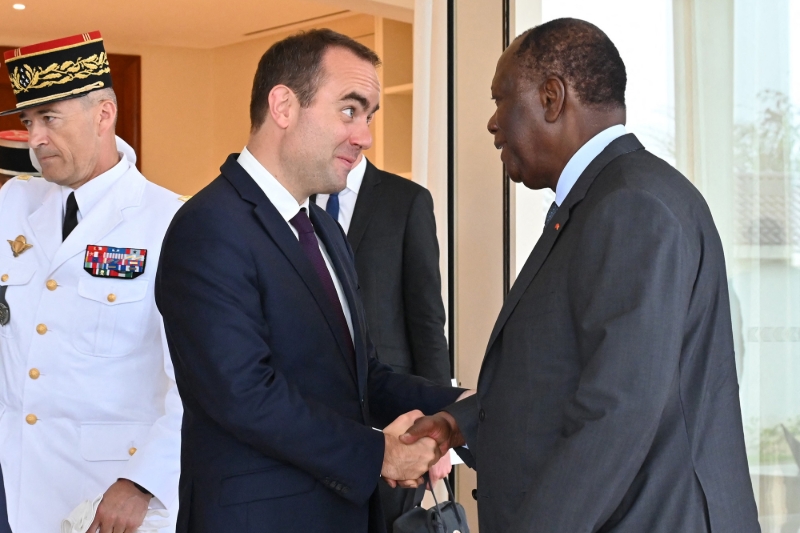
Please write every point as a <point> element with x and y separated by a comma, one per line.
<point>57,70</point>
<point>15,159</point>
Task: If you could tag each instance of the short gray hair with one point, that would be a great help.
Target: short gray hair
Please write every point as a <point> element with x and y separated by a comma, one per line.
<point>99,96</point>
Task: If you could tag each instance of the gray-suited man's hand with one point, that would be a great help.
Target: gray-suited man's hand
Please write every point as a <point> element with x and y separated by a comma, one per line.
<point>405,464</point>
<point>441,427</point>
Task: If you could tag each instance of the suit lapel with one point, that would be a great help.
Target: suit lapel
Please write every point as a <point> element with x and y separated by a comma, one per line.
<point>278,230</point>
<point>622,145</point>
<point>368,200</point>
<point>105,216</point>
<point>46,222</point>
<point>340,259</point>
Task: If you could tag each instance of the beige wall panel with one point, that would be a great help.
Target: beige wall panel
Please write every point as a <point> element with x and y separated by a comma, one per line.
<point>478,198</point>
<point>398,53</point>
<point>177,126</point>
<point>397,112</point>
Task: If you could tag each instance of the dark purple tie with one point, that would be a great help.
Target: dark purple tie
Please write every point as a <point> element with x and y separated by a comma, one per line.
<point>308,241</point>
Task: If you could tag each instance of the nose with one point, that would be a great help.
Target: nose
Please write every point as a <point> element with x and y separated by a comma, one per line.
<point>37,135</point>
<point>362,136</point>
<point>492,125</point>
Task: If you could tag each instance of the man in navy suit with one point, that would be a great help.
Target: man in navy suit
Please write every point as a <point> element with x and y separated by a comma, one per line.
<point>260,299</point>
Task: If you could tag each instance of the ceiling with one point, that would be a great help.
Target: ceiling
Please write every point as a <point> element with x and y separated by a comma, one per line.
<point>185,23</point>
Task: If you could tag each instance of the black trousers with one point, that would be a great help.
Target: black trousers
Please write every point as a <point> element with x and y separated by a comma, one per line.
<point>396,501</point>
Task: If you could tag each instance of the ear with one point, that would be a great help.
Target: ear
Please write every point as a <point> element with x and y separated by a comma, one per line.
<point>553,94</point>
<point>282,104</point>
<point>106,116</point>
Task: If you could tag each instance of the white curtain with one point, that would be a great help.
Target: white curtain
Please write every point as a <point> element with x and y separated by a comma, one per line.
<point>429,129</point>
<point>738,138</point>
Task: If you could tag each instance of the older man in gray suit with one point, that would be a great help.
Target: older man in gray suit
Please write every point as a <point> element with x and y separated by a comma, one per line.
<point>608,399</point>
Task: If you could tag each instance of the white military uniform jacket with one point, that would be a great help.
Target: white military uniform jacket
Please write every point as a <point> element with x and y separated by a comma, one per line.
<point>88,392</point>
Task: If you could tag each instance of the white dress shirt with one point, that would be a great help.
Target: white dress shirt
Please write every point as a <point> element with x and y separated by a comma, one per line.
<point>348,197</point>
<point>581,159</point>
<point>91,192</point>
<point>287,206</point>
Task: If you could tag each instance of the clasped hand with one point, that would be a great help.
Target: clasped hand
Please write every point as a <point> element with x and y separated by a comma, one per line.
<point>408,456</point>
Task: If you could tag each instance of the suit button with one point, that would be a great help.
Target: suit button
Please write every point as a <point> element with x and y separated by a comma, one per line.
<point>111,298</point>
<point>41,329</point>
<point>34,373</point>
<point>31,419</point>
<point>481,415</point>
<point>4,278</point>
<point>51,284</point>
<point>475,494</point>
<point>132,451</point>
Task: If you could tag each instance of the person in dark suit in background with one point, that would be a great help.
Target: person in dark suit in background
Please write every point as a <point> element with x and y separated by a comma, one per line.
<point>390,225</point>
<point>259,294</point>
<point>608,399</point>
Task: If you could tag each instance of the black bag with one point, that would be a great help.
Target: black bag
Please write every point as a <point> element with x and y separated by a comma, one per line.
<point>445,517</point>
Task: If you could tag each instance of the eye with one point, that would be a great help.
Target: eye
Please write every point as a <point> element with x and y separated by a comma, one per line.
<point>48,118</point>
<point>26,123</point>
<point>349,111</point>
<point>369,118</point>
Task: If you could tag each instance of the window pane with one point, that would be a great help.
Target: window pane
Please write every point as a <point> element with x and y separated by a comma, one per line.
<point>764,256</point>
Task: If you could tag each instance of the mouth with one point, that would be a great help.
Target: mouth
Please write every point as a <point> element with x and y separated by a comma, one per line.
<point>349,161</point>
<point>45,157</point>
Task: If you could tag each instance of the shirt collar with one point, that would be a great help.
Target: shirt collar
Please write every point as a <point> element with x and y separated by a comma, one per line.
<point>91,192</point>
<point>581,159</point>
<point>281,198</point>
<point>356,175</point>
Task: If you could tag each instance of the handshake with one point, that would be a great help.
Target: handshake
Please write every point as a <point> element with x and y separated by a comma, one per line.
<point>416,444</point>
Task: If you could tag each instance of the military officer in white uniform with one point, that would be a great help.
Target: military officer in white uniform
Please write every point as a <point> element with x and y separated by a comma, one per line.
<point>88,402</point>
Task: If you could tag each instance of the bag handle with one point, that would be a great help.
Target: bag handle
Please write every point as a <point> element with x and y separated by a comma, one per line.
<point>436,502</point>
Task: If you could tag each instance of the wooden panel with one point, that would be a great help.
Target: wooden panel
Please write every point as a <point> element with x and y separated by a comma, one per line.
<point>7,100</point>
<point>126,74</point>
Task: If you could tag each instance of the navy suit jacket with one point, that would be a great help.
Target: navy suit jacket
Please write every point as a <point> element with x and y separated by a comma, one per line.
<point>4,527</point>
<point>278,417</point>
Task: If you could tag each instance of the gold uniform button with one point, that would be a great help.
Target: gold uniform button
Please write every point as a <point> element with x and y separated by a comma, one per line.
<point>41,329</point>
<point>34,373</point>
<point>132,451</point>
<point>112,298</point>
<point>4,278</point>
<point>31,419</point>
<point>51,284</point>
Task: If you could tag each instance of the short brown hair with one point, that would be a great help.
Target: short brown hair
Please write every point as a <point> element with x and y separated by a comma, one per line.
<point>296,62</point>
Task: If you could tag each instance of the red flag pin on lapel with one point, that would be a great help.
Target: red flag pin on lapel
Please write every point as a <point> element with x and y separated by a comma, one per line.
<point>557,226</point>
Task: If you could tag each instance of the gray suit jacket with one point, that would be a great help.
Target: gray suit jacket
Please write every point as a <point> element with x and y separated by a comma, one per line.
<point>608,398</point>
<point>393,236</point>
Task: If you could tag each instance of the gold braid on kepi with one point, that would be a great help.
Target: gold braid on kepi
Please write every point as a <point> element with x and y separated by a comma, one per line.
<point>57,70</point>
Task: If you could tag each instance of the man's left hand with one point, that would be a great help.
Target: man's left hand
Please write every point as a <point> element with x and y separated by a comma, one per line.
<point>122,510</point>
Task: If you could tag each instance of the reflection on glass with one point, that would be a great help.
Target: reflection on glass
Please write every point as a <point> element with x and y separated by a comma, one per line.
<point>764,257</point>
